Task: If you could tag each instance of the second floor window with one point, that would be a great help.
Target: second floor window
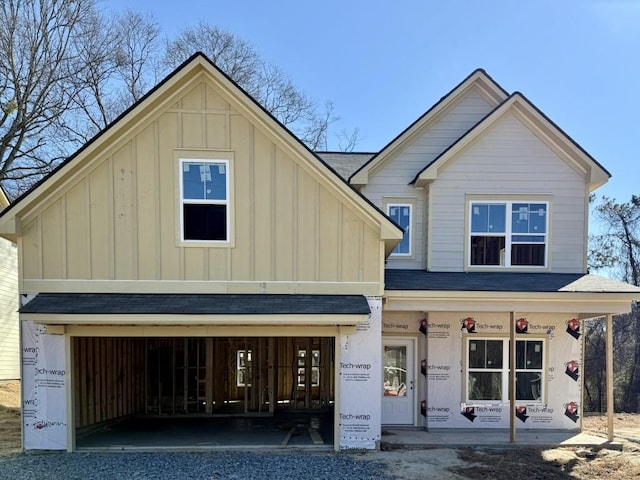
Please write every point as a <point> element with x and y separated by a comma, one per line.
<point>204,188</point>
<point>508,234</point>
<point>401,214</point>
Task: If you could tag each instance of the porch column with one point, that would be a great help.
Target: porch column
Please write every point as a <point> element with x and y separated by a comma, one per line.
<point>512,377</point>
<point>610,377</point>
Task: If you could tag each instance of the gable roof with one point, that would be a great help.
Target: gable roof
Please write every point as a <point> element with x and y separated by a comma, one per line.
<point>149,104</point>
<point>345,163</point>
<point>545,129</point>
<point>478,80</point>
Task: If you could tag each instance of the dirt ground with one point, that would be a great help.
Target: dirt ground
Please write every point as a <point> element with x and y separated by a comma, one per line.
<point>9,416</point>
<point>449,464</point>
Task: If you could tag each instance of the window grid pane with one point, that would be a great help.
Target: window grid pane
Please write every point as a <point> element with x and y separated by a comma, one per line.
<point>204,200</point>
<point>527,244</point>
<point>401,214</point>
<point>487,373</point>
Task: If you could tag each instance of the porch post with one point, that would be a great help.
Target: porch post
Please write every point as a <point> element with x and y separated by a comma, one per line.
<point>512,377</point>
<point>610,377</point>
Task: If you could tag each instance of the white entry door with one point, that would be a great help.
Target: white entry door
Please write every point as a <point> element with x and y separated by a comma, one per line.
<point>398,390</point>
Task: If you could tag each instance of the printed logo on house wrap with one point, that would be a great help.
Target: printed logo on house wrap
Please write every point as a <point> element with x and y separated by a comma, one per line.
<point>438,372</point>
<point>355,372</point>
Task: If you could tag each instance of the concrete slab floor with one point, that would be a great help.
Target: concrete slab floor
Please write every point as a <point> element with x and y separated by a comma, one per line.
<point>497,438</point>
<point>207,432</point>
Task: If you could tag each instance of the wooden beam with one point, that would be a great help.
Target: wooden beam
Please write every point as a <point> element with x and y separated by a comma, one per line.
<point>610,377</point>
<point>512,377</point>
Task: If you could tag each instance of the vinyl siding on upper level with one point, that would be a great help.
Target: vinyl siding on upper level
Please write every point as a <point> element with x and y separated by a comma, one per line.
<point>391,179</point>
<point>510,160</point>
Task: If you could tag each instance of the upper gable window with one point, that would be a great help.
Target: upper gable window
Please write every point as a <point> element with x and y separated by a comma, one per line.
<point>204,198</point>
<point>401,214</point>
<point>508,234</point>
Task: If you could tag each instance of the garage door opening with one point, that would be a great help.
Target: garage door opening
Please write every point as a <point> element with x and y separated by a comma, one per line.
<point>199,392</point>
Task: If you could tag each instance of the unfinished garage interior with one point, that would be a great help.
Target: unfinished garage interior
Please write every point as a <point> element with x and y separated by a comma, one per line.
<point>196,391</point>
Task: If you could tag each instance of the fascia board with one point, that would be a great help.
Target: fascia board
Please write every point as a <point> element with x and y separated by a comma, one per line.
<point>196,320</point>
<point>479,80</point>
<point>548,133</point>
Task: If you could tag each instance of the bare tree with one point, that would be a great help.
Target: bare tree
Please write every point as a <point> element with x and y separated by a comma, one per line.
<point>618,248</point>
<point>268,84</point>
<point>120,59</point>
<point>38,64</point>
<point>136,58</point>
<point>67,70</point>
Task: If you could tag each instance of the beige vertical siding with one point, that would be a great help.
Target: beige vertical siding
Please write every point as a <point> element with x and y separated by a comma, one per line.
<point>120,219</point>
<point>509,159</point>
<point>9,327</point>
<point>392,180</point>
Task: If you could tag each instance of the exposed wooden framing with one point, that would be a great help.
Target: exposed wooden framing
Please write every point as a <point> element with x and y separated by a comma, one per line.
<point>247,375</point>
<point>271,371</point>
<point>103,390</point>
<point>146,376</point>
<point>209,376</point>
<point>116,376</point>
<point>258,400</point>
<point>91,376</point>
<point>610,404</point>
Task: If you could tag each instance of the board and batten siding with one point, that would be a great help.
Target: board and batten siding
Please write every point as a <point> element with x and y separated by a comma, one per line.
<point>9,324</point>
<point>120,221</point>
<point>508,159</point>
<point>393,177</point>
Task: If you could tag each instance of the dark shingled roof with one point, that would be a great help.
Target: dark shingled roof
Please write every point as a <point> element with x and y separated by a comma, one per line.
<point>503,282</point>
<point>345,163</point>
<point>195,304</point>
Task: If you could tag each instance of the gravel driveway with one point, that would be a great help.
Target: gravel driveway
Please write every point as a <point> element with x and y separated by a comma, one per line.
<point>174,466</point>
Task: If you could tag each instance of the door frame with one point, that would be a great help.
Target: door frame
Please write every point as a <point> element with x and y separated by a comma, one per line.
<point>413,342</point>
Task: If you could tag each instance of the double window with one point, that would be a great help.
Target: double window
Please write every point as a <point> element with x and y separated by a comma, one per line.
<point>488,370</point>
<point>508,234</point>
<point>401,214</point>
<point>204,198</point>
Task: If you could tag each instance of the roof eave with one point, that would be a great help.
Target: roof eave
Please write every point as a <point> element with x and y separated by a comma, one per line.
<point>478,79</point>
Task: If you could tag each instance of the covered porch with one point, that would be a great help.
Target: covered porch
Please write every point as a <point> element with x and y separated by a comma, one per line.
<point>579,296</point>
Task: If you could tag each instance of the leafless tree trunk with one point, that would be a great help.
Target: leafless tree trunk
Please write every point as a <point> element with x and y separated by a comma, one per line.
<point>619,248</point>
<point>38,63</point>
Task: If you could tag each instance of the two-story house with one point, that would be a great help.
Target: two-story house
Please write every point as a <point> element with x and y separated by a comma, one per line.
<point>196,261</point>
<point>493,198</point>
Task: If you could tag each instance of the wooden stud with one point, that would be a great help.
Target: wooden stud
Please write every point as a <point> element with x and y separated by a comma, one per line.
<point>91,377</point>
<point>271,373</point>
<point>210,376</point>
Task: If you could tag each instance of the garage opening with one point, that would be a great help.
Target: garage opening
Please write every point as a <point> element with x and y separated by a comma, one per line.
<point>203,391</point>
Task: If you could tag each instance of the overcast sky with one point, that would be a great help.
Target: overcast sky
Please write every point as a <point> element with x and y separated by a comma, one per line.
<point>384,63</point>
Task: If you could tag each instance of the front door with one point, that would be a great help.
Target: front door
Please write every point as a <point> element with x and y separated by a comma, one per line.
<point>398,400</point>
